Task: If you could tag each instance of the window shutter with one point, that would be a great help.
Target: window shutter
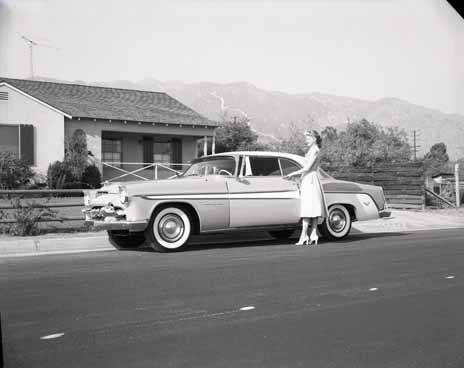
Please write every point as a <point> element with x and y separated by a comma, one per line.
<point>27,143</point>
<point>147,150</point>
<point>176,148</point>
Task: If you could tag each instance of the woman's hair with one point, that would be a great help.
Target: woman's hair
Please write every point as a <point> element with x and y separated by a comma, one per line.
<point>316,136</point>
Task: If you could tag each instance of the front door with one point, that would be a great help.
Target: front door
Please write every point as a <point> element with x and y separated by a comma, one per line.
<point>260,196</point>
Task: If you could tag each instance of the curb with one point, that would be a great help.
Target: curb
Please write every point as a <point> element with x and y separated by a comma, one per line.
<point>23,247</point>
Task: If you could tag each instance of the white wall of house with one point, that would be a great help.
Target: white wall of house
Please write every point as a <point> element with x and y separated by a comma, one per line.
<point>48,125</point>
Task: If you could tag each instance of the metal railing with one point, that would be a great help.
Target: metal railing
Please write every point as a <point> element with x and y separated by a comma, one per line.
<point>145,167</point>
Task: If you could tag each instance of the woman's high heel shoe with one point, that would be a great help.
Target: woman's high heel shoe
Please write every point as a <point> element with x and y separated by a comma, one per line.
<point>313,239</point>
<point>304,241</point>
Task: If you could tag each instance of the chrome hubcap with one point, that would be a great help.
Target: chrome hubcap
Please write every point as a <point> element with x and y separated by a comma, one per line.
<point>171,228</point>
<point>337,220</point>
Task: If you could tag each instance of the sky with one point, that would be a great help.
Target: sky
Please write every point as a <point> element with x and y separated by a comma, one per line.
<point>369,49</point>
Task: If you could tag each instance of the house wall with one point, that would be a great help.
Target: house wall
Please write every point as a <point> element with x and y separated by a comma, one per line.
<point>48,126</point>
<point>94,131</point>
<point>132,135</point>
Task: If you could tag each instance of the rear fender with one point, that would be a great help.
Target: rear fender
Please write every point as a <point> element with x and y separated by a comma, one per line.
<point>362,203</point>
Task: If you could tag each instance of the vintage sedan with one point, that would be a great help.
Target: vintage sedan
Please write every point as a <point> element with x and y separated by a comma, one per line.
<point>223,192</point>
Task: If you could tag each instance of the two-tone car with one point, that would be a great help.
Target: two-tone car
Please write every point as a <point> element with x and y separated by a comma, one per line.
<point>224,192</point>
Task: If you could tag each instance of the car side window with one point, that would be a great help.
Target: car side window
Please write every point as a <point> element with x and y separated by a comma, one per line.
<point>288,166</point>
<point>265,166</point>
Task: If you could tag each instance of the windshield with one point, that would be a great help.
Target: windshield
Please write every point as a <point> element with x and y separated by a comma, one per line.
<point>212,166</point>
<point>324,175</point>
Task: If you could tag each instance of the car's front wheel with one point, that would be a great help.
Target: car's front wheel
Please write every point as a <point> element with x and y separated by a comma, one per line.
<point>125,240</point>
<point>169,229</point>
<point>337,225</point>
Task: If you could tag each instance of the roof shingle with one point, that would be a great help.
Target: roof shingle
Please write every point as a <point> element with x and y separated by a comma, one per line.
<point>110,103</point>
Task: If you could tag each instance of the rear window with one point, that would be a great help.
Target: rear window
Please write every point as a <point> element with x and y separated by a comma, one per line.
<point>288,166</point>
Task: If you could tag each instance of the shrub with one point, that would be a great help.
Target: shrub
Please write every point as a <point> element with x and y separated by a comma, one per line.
<point>59,174</point>
<point>15,173</point>
<point>76,185</point>
<point>92,177</point>
<point>27,217</point>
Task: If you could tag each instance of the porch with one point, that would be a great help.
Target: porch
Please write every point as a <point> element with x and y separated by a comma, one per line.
<point>127,151</point>
<point>136,156</point>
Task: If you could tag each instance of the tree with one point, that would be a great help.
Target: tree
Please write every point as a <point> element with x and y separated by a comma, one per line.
<point>235,135</point>
<point>365,144</point>
<point>76,153</point>
<point>436,160</point>
<point>295,141</point>
<point>361,144</point>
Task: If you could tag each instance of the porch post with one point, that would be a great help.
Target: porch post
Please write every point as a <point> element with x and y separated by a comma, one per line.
<point>214,143</point>
<point>94,145</point>
<point>205,146</point>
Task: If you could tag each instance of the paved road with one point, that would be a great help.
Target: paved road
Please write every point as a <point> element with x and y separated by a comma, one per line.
<point>385,300</point>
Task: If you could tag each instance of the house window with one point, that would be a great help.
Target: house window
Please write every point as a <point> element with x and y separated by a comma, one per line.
<point>112,150</point>
<point>9,138</point>
<point>162,152</point>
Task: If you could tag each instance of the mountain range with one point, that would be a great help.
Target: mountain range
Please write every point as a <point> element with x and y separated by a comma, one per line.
<point>271,112</point>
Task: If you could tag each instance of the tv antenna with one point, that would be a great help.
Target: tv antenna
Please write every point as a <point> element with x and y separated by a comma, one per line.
<point>31,45</point>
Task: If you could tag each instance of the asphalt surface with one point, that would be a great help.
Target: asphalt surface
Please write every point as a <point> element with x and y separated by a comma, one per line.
<point>381,300</point>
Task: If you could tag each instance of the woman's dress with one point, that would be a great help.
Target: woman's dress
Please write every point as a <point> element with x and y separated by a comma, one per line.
<point>312,200</point>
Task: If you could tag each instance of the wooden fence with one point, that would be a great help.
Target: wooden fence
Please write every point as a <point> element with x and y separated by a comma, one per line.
<point>70,202</point>
<point>403,183</point>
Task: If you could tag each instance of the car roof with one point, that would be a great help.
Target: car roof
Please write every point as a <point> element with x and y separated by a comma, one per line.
<point>300,159</point>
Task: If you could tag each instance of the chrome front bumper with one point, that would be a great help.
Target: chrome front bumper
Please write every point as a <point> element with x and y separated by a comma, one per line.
<point>132,226</point>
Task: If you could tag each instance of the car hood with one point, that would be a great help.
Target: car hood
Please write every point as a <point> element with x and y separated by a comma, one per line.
<point>181,185</point>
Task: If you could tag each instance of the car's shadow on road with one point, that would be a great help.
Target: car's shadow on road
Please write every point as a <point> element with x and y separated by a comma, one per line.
<point>222,241</point>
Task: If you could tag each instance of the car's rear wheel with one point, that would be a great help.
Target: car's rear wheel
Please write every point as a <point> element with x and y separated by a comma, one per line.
<point>337,225</point>
<point>125,239</point>
<point>282,234</point>
<point>169,229</point>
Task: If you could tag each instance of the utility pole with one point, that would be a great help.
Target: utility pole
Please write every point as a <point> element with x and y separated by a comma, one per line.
<point>456,180</point>
<point>415,145</point>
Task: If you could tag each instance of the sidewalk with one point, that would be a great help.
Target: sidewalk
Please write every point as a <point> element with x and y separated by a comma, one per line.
<point>404,221</point>
<point>400,221</point>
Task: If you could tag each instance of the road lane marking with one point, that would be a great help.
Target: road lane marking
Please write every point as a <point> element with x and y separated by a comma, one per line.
<point>450,277</point>
<point>250,307</point>
<point>53,336</point>
<point>373,289</point>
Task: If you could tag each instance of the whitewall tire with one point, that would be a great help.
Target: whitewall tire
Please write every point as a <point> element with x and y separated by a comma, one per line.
<point>169,229</point>
<point>337,225</point>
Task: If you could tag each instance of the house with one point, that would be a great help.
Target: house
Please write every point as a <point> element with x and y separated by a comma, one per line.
<point>126,130</point>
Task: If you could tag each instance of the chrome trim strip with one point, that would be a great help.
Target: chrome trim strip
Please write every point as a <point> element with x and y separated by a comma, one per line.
<point>295,194</point>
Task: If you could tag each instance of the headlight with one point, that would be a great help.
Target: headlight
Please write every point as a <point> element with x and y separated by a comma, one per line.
<point>123,196</point>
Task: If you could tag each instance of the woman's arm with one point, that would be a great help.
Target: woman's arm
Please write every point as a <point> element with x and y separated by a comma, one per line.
<point>307,167</point>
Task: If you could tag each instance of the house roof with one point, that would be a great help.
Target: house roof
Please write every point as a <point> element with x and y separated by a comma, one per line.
<point>110,103</point>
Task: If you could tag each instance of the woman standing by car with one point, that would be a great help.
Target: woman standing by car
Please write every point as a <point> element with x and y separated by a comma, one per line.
<point>313,208</point>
